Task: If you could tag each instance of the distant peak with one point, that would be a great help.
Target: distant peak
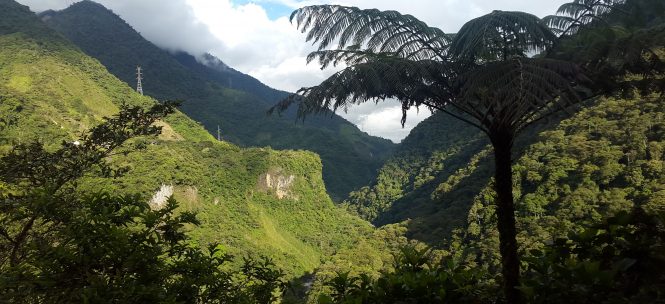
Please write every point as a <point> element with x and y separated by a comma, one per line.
<point>89,5</point>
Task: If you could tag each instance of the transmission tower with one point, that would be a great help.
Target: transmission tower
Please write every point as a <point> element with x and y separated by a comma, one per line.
<point>139,76</point>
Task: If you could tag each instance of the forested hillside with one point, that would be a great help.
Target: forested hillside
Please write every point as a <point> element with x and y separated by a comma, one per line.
<point>605,159</point>
<point>51,92</point>
<point>609,150</point>
<point>587,182</point>
<point>107,195</point>
<point>216,95</point>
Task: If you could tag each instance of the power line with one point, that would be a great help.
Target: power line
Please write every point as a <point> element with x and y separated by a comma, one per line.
<point>139,77</point>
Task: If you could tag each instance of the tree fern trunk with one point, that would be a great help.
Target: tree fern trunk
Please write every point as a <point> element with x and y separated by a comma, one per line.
<point>505,212</point>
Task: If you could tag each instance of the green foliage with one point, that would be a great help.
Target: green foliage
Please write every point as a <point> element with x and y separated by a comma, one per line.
<point>61,246</point>
<point>61,93</point>
<point>432,154</point>
<point>369,256</point>
<point>573,173</point>
<point>610,262</point>
<point>418,277</point>
<point>603,160</point>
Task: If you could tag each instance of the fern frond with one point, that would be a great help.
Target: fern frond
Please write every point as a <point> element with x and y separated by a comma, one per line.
<point>514,93</point>
<point>351,56</point>
<point>572,16</point>
<point>414,83</point>
<point>501,35</point>
<point>379,31</point>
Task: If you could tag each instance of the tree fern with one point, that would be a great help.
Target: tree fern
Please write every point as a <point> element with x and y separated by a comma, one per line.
<point>480,75</point>
<point>570,17</point>
<point>501,35</point>
<point>377,31</point>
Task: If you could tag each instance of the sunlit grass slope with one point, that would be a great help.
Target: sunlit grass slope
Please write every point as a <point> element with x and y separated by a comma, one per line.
<point>52,92</point>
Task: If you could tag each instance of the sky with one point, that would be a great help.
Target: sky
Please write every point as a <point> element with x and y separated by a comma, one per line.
<point>256,38</point>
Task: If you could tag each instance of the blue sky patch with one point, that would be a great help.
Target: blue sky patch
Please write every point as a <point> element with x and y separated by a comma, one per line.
<point>273,9</point>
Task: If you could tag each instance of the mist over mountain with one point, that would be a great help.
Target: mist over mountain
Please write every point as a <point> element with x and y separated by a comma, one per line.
<point>217,95</point>
<point>51,93</point>
<point>108,195</point>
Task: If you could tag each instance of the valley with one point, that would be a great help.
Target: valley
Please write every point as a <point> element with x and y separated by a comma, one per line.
<point>193,193</point>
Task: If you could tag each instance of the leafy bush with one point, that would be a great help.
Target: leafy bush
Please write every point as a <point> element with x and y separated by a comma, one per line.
<point>419,277</point>
<point>617,261</point>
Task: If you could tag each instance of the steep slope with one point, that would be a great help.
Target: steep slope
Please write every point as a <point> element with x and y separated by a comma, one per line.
<point>255,201</point>
<point>440,177</point>
<point>607,158</point>
<point>214,69</point>
<point>569,172</point>
<point>219,96</point>
<point>441,152</point>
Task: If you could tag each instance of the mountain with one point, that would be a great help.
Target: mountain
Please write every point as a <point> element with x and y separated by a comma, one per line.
<point>214,69</point>
<point>605,158</point>
<point>254,201</point>
<point>441,152</point>
<point>217,95</point>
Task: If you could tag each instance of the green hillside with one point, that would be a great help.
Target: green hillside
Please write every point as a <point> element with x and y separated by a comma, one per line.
<point>50,91</point>
<point>605,158</point>
<point>571,171</point>
<point>588,184</point>
<point>224,97</point>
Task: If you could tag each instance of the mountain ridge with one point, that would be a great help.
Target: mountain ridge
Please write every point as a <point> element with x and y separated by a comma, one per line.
<point>51,92</point>
<point>350,156</point>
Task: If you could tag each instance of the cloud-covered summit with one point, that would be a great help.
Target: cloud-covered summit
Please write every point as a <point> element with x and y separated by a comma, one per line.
<point>253,38</point>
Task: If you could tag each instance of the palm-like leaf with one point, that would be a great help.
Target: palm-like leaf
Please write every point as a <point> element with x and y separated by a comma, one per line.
<point>513,94</point>
<point>570,17</point>
<point>414,83</point>
<point>377,31</point>
<point>351,56</point>
<point>501,35</point>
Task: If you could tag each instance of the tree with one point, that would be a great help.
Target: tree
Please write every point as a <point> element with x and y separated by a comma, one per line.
<point>481,75</point>
<point>59,245</point>
<point>573,16</point>
<point>618,42</point>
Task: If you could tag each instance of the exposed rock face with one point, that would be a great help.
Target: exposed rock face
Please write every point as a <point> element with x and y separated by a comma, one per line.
<point>161,196</point>
<point>278,183</point>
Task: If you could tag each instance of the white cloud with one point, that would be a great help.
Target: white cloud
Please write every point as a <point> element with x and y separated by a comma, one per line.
<point>384,118</point>
<point>273,50</point>
<point>169,24</point>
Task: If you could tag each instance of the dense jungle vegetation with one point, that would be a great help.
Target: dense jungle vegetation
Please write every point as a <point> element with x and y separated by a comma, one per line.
<point>51,93</point>
<point>81,155</point>
<point>568,175</point>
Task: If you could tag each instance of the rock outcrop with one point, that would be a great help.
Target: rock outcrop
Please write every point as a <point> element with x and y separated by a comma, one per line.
<point>277,183</point>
